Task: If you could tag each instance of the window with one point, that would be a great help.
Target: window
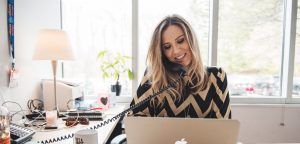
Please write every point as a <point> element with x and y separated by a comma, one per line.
<point>296,81</point>
<point>96,25</point>
<point>251,41</point>
<point>151,12</point>
<point>249,46</point>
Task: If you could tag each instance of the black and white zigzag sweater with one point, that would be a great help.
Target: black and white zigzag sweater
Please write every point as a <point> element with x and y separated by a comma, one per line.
<point>212,102</point>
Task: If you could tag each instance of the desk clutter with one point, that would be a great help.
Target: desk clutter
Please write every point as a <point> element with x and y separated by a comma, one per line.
<point>20,134</point>
<point>91,115</point>
<point>72,118</point>
<point>68,135</point>
<point>34,127</point>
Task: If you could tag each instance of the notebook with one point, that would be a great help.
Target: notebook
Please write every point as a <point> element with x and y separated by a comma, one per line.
<point>158,130</point>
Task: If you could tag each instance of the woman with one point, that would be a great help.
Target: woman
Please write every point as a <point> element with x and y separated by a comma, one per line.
<point>201,93</point>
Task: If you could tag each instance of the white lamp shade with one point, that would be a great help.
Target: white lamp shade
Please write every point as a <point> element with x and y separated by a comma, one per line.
<point>53,44</point>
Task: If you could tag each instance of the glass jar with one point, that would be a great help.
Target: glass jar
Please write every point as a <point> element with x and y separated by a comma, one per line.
<point>4,126</point>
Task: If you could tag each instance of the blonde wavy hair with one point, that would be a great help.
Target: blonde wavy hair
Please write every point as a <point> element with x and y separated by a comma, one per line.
<point>157,72</point>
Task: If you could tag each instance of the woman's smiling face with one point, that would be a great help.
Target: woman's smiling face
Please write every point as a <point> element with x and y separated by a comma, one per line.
<point>175,46</point>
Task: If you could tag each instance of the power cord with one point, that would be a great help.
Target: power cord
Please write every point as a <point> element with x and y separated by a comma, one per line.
<point>2,94</point>
<point>35,104</point>
<point>13,113</point>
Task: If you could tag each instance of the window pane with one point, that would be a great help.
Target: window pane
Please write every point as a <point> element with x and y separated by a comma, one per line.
<point>249,45</point>
<point>151,12</point>
<point>296,84</point>
<point>95,25</point>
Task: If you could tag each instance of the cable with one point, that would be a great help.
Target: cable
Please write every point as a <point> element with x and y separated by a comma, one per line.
<point>72,100</point>
<point>69,102</point>
<point>2,93</point>
<point>283,109</point>
<point>32,106</point>
<point>41,115</point>
<point>15,112</point>
<point>35,106</point>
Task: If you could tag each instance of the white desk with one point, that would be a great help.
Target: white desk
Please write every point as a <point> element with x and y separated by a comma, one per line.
<point>103,132</point>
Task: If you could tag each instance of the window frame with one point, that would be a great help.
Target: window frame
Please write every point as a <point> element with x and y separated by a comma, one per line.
<point>288,52</point>
<point>287,61</point>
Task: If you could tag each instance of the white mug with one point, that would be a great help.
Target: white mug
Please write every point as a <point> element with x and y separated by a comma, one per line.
<point>87,136</point>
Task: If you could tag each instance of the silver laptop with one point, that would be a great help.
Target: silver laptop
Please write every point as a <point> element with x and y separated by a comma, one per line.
<point>156,130</point>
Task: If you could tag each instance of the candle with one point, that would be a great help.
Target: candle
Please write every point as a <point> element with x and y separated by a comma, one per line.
<point>51,117</point>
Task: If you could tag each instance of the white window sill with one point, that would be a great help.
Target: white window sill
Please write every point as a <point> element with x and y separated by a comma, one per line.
<point>124,99</point>
<point>267,105</point>
<point>264,100</point>
<point>236,101</point>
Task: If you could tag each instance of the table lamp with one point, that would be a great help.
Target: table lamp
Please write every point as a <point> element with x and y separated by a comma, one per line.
<point>53,45</point>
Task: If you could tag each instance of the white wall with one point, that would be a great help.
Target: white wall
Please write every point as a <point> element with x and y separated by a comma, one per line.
<point>3,48</point>
<point>261,123</point>
<point>258,123</point>
<point>30,16</point>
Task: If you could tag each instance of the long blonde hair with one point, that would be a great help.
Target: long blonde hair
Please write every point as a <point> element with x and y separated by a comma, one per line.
<point>159,75</point>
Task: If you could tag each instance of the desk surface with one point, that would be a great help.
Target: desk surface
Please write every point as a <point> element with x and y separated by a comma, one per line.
<point>103,132</point>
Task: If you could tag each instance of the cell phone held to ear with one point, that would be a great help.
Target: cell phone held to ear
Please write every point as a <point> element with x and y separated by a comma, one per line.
<point>174,67</point>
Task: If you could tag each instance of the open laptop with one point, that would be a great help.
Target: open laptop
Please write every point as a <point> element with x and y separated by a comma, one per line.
<point>158,130</point>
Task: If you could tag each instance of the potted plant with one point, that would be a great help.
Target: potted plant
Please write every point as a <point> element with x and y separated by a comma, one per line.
<point>113,66</point>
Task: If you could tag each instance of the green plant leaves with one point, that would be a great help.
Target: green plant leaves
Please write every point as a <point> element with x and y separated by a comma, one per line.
<point>101,54</point>
<point>130,74</point>
<point>112,66</point>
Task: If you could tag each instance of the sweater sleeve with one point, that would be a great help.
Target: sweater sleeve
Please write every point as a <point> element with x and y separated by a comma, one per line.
<point>221,101</point>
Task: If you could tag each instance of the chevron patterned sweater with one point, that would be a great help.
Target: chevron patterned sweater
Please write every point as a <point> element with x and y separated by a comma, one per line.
<point>212,102</point>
